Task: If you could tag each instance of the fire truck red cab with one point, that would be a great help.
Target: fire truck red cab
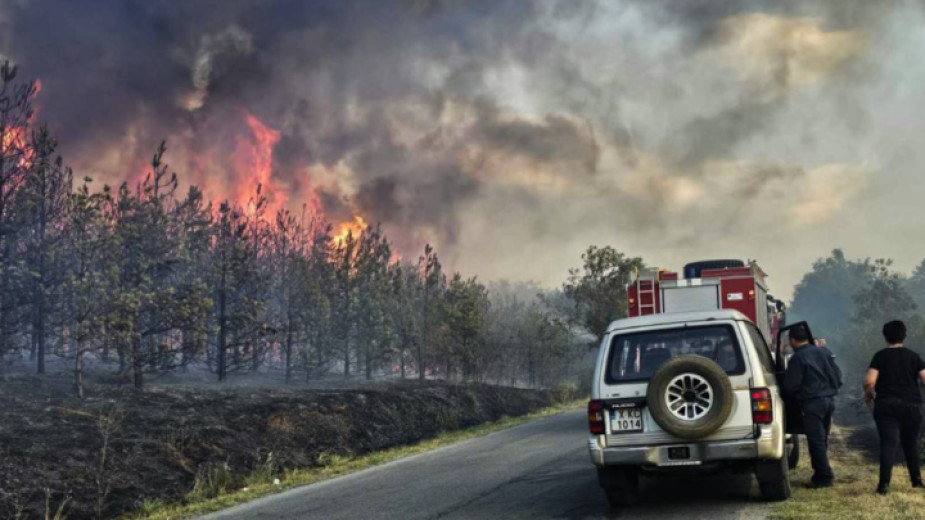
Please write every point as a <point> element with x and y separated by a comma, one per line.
<point>708,285</point>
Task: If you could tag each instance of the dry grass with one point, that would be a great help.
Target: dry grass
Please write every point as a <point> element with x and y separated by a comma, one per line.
<point>853,495</point>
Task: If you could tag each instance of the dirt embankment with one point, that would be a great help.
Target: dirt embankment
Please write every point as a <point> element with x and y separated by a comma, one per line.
<point>115,450</point>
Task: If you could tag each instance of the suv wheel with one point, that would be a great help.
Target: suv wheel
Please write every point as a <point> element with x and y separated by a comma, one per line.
<point>690,396</point>
<point>621,485</point>
<point>773,479</point>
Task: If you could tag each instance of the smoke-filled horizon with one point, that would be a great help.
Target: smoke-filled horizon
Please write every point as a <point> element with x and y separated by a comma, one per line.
<point>512,134</point>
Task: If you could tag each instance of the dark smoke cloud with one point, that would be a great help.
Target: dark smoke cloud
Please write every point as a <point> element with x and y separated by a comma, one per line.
<point>504,131</point>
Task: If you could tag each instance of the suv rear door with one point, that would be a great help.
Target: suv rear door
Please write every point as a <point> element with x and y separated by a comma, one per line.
<point>624,376</point>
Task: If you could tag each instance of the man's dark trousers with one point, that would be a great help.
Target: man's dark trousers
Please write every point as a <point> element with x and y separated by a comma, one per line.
<point>898,422</point>
<point>817,421</point>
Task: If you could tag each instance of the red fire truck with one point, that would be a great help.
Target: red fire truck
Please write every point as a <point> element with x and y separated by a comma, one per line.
<point>708,285</point>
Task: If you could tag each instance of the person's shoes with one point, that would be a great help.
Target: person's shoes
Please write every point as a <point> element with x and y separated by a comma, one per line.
<point>883,489</point>
<point>918,484</point>
<point>819,484</point>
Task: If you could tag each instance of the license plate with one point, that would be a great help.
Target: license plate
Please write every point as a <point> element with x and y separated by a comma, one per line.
<point>624,420</point>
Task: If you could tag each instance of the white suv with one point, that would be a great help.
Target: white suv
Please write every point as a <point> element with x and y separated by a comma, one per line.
<point>687,389</point>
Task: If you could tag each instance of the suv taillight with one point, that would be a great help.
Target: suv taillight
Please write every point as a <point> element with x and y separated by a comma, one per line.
<point>762,406</point>
<point>596,417</point>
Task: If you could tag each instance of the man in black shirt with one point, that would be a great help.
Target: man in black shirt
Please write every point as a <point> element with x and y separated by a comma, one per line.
<point>813,379</point>
<point>893,377</point>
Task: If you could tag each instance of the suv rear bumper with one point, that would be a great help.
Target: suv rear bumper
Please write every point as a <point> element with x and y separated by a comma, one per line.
<point>659,456</point>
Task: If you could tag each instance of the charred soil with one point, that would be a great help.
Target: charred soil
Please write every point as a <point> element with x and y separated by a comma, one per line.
<point>111,452</point>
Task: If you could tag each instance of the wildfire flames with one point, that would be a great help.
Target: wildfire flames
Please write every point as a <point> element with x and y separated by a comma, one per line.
<point>253,163</point>
<point>15,142</point>
<point>354,228</point>
<point>253,160</point>
<point>15,139</point>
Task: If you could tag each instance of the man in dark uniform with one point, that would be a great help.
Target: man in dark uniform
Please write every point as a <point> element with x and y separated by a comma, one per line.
<point>813,379</point>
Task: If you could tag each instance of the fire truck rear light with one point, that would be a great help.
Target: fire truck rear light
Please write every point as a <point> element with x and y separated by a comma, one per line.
<point>762,406</point>
<point>596,417</point>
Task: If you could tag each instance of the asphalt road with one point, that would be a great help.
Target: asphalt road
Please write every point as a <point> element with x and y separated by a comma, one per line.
<point>537,470</point>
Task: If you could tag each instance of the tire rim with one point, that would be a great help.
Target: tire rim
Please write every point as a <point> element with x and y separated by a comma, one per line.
<point>689,397</point>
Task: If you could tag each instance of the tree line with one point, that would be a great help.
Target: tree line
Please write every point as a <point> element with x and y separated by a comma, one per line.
<point>152,279</point>
<point>847,301</point>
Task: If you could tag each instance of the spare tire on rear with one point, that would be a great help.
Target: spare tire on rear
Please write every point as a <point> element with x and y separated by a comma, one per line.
<point>690,396</point>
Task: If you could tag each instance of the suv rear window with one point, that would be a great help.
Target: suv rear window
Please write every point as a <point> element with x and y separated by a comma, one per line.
<point>636,356</point>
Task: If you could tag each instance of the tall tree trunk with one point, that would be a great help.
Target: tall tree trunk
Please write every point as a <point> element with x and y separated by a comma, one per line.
<point>368,361</point>
<point>137,365</point>
<point>347,356</point>
<point>4,264</point>
<point>40,329</point>
<point>222,334</point>
<point>122,361</point>
<point>256,352</point>
<point>40,282</point>
<point>187,349</point>
<point>308,359</point>
<point>420,361</point>
<point>79,370</point>
<point>222,304</point>
<point>401,361</point>
<point>288,351</point>
<point>33,342</point>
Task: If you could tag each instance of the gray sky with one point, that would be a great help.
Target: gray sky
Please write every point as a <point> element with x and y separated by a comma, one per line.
<point>514,134</point>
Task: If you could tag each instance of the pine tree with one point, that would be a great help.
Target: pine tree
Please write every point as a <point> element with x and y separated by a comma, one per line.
<point>429,308</point>
<point>318,310</point>
<point>344,296</point>
<point>15,160</point>
<point>373,328</point>
<point>152,302</point>
<point>42,203</point>
<point>90,276</point>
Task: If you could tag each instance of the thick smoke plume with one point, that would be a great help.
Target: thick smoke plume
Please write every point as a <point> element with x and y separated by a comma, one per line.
<point>511,134</point>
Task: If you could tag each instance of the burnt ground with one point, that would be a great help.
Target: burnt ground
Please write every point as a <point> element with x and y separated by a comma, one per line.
<point>118,448</point>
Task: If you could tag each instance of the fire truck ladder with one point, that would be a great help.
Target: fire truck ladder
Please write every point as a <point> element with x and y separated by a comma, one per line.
<point>650,292</point>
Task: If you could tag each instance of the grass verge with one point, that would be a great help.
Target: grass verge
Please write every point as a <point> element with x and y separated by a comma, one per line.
<point>853,495</point>
<point>334,466</point>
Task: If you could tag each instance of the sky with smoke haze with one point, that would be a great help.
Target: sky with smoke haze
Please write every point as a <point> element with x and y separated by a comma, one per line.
<point>514,134</point>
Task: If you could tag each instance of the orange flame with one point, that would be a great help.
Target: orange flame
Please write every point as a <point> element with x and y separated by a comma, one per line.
<point>37,84</point>
<point>15,142</point>
<point>15,139</point>
<point>253,159</point>
<point>355,228</point>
